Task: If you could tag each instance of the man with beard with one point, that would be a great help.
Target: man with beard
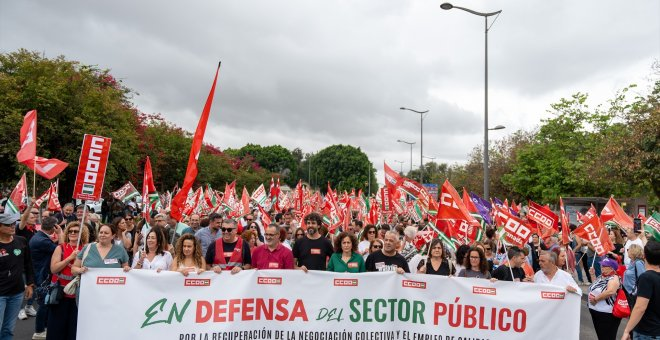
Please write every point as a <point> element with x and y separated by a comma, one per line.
<point>312,251</point>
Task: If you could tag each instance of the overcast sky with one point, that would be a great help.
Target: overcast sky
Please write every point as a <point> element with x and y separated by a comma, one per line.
<point>310,74</point>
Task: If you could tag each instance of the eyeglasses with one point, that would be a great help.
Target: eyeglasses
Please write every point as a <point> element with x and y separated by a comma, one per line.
<point>249,219</point>
<point>371,232</point>
<point>74,231</point>
<point>269,235</point>
<point>227,230</point>
<point>376,247</point>
<point>487,248</point>
<point>300,235</point>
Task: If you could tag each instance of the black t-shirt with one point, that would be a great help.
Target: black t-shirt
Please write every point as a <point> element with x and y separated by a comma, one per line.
<point>312,254</point>
<point>649,287</point>
<point>503,273</point>
<point>443,270</point>
<point>379,262</point>
<point>15,260</point>
<point>228,248</point>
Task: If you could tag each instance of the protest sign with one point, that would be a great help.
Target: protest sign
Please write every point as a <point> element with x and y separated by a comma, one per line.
<point>272,304</point>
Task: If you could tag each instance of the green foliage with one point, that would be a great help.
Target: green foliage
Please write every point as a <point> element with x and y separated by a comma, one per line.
<point>71,100</point>
<point>345,167</point>
<point>273,158</point>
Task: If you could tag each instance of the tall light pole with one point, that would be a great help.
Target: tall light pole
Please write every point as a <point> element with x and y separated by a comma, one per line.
<point>400,166</point>
<point>421,142</point>
<point>411,144</point>
<point>448,6</point>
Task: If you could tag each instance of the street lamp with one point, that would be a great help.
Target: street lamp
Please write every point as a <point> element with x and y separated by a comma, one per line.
<point>498,127</point>
<point>400,165</point>
<point>411,144</point>
<point>421,141</point>
<point>448,6</point>
<point>431,158</point>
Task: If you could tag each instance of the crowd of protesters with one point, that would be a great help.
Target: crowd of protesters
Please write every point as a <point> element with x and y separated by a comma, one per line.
<point>39,249</point>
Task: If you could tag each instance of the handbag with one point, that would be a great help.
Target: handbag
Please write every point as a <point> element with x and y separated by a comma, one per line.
<point>54,294</point>
<point>621,308</point>
<point>72,287</point>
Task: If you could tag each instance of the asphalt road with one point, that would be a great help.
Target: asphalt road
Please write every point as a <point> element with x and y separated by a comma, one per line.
<point>25,328</point>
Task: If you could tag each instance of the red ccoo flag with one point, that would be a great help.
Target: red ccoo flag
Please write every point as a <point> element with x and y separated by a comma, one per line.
<point>191,171</point>
<point>45,167</point>
<point>613,211</point>
<point>28,149</point>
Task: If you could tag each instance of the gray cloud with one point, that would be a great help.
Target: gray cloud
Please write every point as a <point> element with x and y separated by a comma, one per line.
<point>310,74</point>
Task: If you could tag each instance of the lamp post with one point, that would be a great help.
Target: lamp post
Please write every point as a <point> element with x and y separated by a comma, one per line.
<point>411,144</point>
<point>448,6</point>
<point>421,141</point>
<point>400,166</point>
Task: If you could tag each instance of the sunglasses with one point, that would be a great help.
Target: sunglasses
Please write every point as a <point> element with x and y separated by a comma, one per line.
<point>74,231</point>
<point>227,230</point>
<point>371,232</point>
<point>376,247</point>
<point>300,234</point>
<point>248,219</point>
<point>487,248</point>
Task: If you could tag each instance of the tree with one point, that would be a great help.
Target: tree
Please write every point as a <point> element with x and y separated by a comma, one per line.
<point>273,158</point>
<point>345,167</point>
<point>71,100</point>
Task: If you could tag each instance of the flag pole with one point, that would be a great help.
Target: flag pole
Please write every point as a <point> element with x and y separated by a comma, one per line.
<point>34,178</point>
<point>509,261</point>
<point>82,223</point>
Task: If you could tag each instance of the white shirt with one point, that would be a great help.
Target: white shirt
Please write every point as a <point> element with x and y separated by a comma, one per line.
<point>162,262</point>
<point>561,279</point>
<point>626,258</point>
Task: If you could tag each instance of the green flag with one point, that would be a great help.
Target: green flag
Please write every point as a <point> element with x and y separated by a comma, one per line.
<point>652,226</point>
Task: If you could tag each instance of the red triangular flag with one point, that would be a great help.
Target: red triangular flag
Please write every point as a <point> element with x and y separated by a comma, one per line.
<point>593,231</point>
<point>179,200</point>
<point>613,211</point>
<point>565,223</point>
<point>28,150</point>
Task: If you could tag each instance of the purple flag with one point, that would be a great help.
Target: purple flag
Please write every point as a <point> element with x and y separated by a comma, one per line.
<point>483,207</point>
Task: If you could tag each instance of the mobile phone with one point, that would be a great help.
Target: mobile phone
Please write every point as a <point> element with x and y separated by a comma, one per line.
<point>637,225</point>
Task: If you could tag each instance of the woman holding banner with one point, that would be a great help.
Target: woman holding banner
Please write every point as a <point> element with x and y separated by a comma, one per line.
<point>63,317</point>
<point>602,294</point>
<point>475,264</point>
<point>188,256</point>
<point>438,262</point>
<point>102,254</point>
<point>345,258</point>
<point>154,256</point>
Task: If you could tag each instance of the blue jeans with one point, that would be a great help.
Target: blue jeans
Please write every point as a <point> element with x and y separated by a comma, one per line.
<point>9,307</point>
<point>644,337</point>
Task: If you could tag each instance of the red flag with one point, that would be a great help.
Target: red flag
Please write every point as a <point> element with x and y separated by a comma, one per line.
<point>593,231</point>
<point>547,219</point>
<point>590,213</point>
<point>45,167</point>
<point>245,202</point>
<point>517,231</point>
<point>452,207</point>
<point>191,171</point>
<point>469,204</point>
<point>18,196</point>
<point>265,218</point>
<point>148,188</point>
<point>42,198</point>
<point>53,200</point>
<point>613,211</point>
<point>565,223</point>
<point>28,150</point>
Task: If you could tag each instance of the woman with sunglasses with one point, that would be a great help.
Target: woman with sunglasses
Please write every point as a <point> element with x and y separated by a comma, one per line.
<point>260,238</point>
<point>345,258</point>
<point>374,246</point>
<point>298,234</point>
<point>368,235</point>
<point>438,262</point>
<point>63,317</point>
<point>188,257</point>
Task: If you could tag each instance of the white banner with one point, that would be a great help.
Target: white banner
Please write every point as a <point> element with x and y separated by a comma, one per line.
<point>292,305</point>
